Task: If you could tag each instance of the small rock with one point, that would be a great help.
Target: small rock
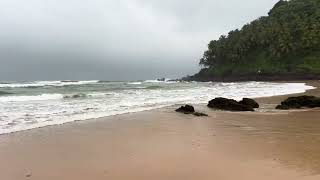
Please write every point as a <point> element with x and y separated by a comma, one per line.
<point>187,109</point>
<point>199,114</point>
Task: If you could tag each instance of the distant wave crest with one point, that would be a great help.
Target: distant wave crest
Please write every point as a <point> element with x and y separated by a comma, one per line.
<point>46,97</point>
<point>134,83</point>
<point>160,81</point>
<point>36,84</point>
<point>42,97</point>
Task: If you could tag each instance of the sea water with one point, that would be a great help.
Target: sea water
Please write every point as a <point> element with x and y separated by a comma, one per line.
<point>28,105</point>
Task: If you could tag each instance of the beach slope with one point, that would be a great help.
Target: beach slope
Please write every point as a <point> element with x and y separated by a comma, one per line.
<point>162,144</point>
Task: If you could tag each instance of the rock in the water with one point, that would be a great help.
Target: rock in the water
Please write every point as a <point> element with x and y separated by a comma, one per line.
<point>187,109</point>
<point>249,102</point>
<point>228,104</point>
<point>299,102</point>
<point>199,114</point>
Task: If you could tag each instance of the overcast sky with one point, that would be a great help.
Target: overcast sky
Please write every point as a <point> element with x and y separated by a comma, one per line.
<point>114,39</point>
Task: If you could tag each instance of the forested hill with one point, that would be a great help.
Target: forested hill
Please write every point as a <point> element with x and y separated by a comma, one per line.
<point>284,44</point>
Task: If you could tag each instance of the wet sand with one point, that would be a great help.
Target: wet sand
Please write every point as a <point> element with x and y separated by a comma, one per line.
<point>161,144</point>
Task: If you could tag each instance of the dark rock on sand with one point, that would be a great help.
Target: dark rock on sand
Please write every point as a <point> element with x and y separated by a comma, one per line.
<point>299,102</point>
<point>199,114</point>
<point>187,109</point>
<point>283,107</point>
<point>228,104</point>
<point>249,102</point>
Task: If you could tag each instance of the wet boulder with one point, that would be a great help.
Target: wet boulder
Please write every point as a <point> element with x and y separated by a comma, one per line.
<point>299,102</point>
<point>187,109</point>
<point>249,102</point>
<point>229,105</point>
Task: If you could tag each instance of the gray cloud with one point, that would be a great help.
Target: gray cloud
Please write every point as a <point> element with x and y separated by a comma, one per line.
<point>113,39</point>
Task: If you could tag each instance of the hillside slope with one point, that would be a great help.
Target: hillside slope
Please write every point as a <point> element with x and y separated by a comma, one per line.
<point>283,45</point>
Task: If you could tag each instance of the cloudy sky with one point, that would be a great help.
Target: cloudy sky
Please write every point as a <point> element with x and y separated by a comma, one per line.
<point>114,39</point>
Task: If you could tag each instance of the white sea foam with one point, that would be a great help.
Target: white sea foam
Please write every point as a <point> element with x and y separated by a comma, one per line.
<point>135,83</point>
<point>31,111</point>
<point>45,83</point>
<point>42,97</point>
<point>153,81</point>
<point>157,81</point>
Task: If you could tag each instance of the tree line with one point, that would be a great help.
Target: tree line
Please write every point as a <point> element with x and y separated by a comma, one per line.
<point>285,41</point>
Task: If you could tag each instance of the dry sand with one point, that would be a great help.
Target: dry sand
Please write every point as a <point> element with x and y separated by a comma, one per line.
<point>164,145</point>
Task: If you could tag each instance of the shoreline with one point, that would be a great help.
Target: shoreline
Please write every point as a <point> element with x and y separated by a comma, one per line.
<point>154,108</point>
<point>163,144</point>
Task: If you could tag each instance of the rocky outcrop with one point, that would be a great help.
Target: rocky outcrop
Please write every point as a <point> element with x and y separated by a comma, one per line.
<point>229,104</point>
<point>299,102</point>
<point>249,102</point>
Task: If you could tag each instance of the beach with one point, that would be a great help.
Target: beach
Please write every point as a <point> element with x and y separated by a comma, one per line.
<point>162,144</point>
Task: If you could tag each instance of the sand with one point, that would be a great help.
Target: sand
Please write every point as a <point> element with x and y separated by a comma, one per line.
<point>163,145</point>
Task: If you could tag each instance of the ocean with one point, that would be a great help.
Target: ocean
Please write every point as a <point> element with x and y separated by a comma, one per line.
<point>28,105</point>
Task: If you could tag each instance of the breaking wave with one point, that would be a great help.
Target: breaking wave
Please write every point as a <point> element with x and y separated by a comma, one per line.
<point>42,97</point>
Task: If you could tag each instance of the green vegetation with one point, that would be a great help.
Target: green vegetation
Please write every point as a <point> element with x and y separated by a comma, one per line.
<point>286,41</point>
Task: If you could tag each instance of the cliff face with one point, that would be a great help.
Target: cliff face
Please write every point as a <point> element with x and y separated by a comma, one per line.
<point>284,45</point>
